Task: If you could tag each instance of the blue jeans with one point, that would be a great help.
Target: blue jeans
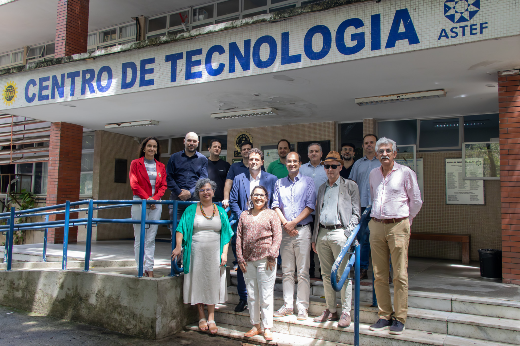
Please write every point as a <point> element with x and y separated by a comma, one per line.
<point>363,238</point>
<point>241,284</point>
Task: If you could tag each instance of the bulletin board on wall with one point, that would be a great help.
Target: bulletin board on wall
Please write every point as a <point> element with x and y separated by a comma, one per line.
<point>304,153</point>
<point>271,153</point>
<point>460,190</point>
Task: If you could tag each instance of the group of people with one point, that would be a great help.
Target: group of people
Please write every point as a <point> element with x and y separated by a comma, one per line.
<point>290,211</point>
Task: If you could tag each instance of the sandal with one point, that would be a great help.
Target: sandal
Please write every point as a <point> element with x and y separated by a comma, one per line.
<point>213,330</point>
<point>145,274</point>
<point>203,326</point>
<point>268,336</point>
<point>252,332</point>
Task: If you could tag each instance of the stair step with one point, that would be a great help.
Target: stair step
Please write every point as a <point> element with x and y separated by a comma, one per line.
<point>237,332</point>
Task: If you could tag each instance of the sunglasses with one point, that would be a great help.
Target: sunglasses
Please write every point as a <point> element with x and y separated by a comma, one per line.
<point>331,166</point>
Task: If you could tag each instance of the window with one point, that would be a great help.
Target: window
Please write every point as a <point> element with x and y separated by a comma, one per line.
<point>351,133</point>
<point>250,4</point>
<point>202,13</point>
<point>228,19</point>
<point>481,128</point>
<point>439,133</point>
<point>17,57</point>
<point>127,31</point>
<point>157,24</point>
<point>108,35</point>
<point>227,7</point>
<point>35,52</point>
<point>91,39</point>
<point>403,132</point>
<point>274,9</point>
<point>5,59</point>
<point>276,1</point>
<point>49,49</point>
<point>87,165</point>
<point>32,177</point>
<point>308,2</point>
<point>176,20</point>
<point>205,141</point>
<point>253,14</point>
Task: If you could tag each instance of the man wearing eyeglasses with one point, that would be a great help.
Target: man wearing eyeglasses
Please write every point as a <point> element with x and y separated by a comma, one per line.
<point>337,214</point>
<point>294,201</point>
<point>360,172</point>
<point>396,200</point>
<point>243,185</point>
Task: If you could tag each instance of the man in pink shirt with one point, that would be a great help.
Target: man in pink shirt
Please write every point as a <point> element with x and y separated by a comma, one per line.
<point>396,200</point>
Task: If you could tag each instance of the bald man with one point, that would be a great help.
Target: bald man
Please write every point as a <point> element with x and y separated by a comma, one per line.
<point>183,171</point>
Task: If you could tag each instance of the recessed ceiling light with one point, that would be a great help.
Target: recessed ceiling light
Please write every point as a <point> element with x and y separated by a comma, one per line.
<point>244,113</point>
<point>418,95</point>
<point>132,124</point>
<point>490,85</point>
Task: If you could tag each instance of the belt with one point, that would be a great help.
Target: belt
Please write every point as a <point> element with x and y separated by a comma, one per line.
<point>333,227</point>
<point>390,220</point>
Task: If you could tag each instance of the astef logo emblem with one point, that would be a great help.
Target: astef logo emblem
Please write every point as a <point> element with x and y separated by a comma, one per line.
<point>461,11</point>
<point>9,93</point>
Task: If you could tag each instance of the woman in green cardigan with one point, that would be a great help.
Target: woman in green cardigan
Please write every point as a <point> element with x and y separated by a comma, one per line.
<point>204,232</point>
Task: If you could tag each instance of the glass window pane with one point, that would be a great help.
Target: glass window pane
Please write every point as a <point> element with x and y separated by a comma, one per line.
<point>87,162</point>
<point>228,19</point>
<point>175,32</point>
<point>176,20</point>
<point>250,4</point>
<point>38,177</point>
<point>127,31</point>
<point>481,128</point>
<point>5,59</point>
<point>308,2</point>
<point>205,141</point>
<point>25,183</point>
<point>351,133</point>
<point>439,133</point>
<point>157,24</point>
<point>91,39</point>
<point>156,35</point>
<point>227,7</point>
<point>202,13</point>
<point>281,8</point>
<point>49,49</point>
<point>85,184</point>
<point>277,1</point>
<point>253,14</point>
<point>17,57</point>
<point>35,52</point>
<point>24,168</point>
<point>88,142</point>
<point>403,132</point>
<point>107,35</point>
<point>482,160</point>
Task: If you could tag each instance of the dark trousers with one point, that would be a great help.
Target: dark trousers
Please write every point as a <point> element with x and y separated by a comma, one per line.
<point>241,284</point>
<point>363,238</point>
<point>312,267</point>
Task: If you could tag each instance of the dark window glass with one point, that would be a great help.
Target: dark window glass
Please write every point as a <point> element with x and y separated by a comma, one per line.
<point>25,168</point>
<point>277,1</point>
<point>38,173</point>
<point>202,13</point>
<point>403,132</point>
<point>351,133</point>
<point>157,24</point>
<point>49,49</point>
<point>439,133</point>
<point>156,35</point>
<point>108,35</point>
<point>481,128</point>
<point>88,142</point>
<point>250,4</point>
<point>227,7</point>
<point>175,19</point>
<point>35,52</point>
<point>308,2</point>
<point>200,25</point>
<point>253,14</point>
<point>281,8</point>
<point>205,141</point>
<point>228,19</point>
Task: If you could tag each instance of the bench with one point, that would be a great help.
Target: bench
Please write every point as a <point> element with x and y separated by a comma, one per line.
<point>464,239</point>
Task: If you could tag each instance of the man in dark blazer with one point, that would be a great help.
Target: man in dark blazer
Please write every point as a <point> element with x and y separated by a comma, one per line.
<point>239,198</point>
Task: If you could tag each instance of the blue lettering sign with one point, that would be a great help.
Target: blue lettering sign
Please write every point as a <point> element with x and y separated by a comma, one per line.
<point>473,29</point>
<point>146,71</point>
<point>125,84</point>
<point>445,34</point>
<point>209,55</point>
<point>243,59</point>
<point>100,87</point>
<point>43,87</point>
<point>286,57</point>
<point>482,27</point>
<point>327,42</point>
<point>57,86</point>
<point>375,32</point>
<point>454,32</point>
<point>358,37</point>
<point>409,33</point>
<point>190,64</point>
<point>30,99</point>
<point>72,76</point>
<point>273,51</point>
<point>172,59</point>
<point>88,81</point>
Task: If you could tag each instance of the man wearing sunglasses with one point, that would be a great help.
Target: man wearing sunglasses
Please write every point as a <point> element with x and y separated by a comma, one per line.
<point>337,214</point>
<point>396,200</point>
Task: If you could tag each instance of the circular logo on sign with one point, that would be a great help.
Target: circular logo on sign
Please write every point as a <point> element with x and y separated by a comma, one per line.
<point>9,93</point>
<point>241,138</point>
<point>460,11</point>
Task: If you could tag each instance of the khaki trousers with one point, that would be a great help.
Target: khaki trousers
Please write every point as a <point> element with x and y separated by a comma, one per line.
<point>329,245</point>
<point>390,239</point>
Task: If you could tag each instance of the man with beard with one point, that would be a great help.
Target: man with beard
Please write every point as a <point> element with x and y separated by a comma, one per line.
<point>278,167</point>
<point>184,169</point>
<point>396,201</point>
<point>348,151</point>
<point>236,169</point>
<point>360,173</point>
<point>217,169</point>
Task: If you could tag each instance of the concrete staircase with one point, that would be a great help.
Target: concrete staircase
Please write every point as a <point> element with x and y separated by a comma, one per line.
<point>433,319</point>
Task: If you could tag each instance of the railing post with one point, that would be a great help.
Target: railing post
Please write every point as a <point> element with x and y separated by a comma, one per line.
<point>174,241</point>
<point>374,298</point>
<point>142,236</point>
<point>89,234</point>
<point>6,247</point>
<point>45,240</point>
<point>11,240</point>
<point>357,292</point>
<point>65,236</point>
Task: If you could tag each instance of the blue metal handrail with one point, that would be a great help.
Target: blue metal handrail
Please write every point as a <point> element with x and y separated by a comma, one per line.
<point>88,221</point>
<point>353,261</point>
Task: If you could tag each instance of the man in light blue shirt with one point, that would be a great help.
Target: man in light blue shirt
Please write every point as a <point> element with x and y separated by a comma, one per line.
<point>294,201</point>
<point>314,170</point>
<point>360,174</point>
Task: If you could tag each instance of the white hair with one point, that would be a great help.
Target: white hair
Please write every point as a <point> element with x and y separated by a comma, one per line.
<point>384,140</point>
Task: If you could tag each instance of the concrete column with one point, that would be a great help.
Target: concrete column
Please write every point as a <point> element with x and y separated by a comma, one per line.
<point>71,27</point>
<point>64,173</point>
<point>509,103</point>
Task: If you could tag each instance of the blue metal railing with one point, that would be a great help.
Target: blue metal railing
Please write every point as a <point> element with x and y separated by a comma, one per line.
<point>89,221</point>
<point>353,261</point>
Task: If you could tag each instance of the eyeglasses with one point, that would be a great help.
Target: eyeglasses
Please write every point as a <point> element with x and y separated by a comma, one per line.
<point>258,195</point>
<point>382,151</point>
<point>205,190</point>
<point>331,166</point>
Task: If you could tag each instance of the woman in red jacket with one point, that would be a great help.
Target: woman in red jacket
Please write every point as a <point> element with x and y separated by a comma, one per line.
<point>148,181</point>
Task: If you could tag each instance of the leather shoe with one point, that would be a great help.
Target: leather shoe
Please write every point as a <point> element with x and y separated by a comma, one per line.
<point>241,306</point>
<point>344,321</point>
<point>363,274</point>
<point>325,316</point>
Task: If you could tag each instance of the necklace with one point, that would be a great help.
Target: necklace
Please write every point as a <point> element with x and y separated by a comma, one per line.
<point>204,214</point>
